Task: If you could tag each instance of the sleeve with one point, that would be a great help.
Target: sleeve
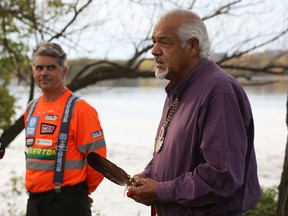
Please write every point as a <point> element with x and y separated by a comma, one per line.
<point>90,137</point>
<point>148,169</point>
<point>223,146</point>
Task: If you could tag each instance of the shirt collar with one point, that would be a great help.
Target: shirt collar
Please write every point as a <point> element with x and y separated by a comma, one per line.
<point>177,90</point>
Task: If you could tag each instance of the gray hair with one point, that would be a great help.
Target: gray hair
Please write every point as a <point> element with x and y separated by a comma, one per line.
<point>52,50</point>
<point>192,26</point>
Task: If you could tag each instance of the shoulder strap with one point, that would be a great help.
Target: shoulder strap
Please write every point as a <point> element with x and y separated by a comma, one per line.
<point>62,142</point>
<point>31,108</point>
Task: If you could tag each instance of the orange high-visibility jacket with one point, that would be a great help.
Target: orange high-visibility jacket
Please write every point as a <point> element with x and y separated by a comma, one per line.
<point>85,135</point>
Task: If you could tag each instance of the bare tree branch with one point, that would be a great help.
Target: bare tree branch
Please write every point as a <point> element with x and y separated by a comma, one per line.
<point>222,10</point>
<point>238,54</point>
<point>77,12</point>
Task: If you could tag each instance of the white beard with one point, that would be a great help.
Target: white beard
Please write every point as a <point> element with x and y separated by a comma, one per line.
<point>161,75</point>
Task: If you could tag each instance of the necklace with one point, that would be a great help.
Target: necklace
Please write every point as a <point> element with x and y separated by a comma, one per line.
<point>160,140</point>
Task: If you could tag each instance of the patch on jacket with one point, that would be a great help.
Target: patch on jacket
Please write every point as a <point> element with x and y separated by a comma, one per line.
<point>47,128</point>
<point>96,134</point>
<point>41,154</point>
<point>44,142</point>
<point>29,141</point>
<point>51,117</point>
<point>31,126</point>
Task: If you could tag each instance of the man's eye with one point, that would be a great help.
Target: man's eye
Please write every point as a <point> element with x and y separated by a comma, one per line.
<point>39,67</point>
<point>51,67</point>
<point>164,42</point>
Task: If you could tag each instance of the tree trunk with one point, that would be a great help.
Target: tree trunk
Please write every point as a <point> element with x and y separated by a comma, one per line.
<point>282,203</point>
<point>9,135</point>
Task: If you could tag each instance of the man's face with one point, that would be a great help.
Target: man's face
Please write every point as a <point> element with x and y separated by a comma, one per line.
<point>47,73</point>
<point>171,59</point>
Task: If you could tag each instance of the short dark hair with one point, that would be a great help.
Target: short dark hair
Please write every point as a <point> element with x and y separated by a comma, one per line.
<point>50,49</point>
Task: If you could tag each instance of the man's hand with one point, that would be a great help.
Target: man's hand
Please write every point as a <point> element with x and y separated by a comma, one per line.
<point>144,191</point>
<point>138,176</point>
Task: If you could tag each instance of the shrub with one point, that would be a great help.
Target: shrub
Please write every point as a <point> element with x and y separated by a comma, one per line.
<point>266,205</point>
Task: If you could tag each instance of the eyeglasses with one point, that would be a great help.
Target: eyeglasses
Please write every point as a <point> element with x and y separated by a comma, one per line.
<point>40,68</point>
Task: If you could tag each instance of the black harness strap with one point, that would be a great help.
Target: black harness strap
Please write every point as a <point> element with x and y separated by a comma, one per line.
<point>62,143</point>
<point>31,108</point>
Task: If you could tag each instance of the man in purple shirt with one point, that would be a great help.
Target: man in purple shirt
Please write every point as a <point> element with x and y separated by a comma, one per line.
<point>204,161</point>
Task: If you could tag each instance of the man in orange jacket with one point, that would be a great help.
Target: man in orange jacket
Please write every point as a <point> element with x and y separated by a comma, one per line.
<point>61,129</point>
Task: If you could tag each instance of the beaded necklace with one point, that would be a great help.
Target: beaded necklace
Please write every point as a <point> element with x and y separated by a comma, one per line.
<point>160,140</point>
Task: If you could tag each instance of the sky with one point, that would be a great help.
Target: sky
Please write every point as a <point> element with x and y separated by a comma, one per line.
<point>117,26</point>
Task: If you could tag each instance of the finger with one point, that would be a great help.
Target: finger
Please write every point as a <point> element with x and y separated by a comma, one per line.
<point>139,182</point>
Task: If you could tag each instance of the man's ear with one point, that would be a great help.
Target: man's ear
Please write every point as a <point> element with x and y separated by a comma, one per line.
<point>65,71</point>
<point>193,46</point>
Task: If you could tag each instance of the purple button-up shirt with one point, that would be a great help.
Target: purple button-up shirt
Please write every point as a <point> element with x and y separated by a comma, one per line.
<point>207,165</point>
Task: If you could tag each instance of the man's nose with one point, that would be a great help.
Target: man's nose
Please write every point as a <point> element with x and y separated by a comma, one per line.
<point>156,51</point>
<point>44,72</point>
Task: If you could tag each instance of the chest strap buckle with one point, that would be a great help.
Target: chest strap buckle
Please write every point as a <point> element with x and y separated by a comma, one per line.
<point>57,188</point>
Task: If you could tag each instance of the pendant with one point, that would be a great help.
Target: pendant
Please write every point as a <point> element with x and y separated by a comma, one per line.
<point>159,144</point>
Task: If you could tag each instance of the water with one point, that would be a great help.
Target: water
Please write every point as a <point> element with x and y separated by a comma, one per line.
<point>129,117</point>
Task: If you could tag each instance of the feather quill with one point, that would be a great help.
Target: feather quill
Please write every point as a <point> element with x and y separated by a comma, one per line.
<point>110,170</point>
